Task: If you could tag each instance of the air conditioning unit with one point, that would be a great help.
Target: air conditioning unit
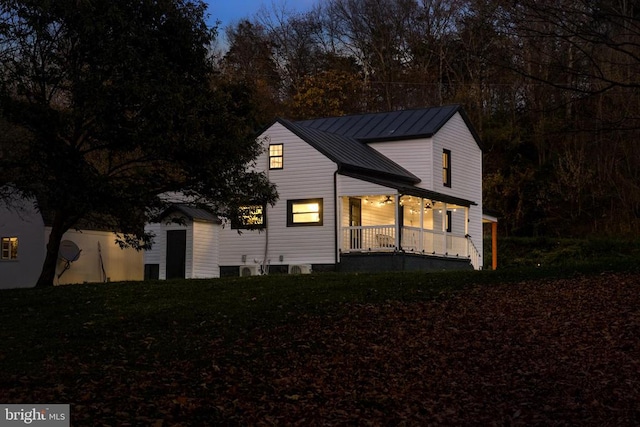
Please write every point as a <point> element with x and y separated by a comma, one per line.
<point>299,269</point>
<point>249,270</point>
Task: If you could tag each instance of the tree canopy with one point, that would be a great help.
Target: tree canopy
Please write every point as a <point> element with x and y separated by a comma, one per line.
<point>551,86</point>
<point>116,105</point>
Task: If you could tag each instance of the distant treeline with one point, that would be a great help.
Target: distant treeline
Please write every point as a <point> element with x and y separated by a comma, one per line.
<point>553,88</point>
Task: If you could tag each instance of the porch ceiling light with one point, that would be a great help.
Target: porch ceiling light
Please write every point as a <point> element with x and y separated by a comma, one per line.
<point>386,201</point>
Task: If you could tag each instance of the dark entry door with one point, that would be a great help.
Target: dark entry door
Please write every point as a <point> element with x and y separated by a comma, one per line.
<point>176,253</point>
<point>355,220</point>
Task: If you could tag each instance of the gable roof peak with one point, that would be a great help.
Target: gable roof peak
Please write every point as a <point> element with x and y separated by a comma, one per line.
<point>392,125</point>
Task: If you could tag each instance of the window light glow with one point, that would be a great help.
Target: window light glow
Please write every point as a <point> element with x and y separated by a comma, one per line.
<point>9,248</point>
<point>305,212</point>
<point>276,156</point>
<point>306,207</point>
<point>252,215</point>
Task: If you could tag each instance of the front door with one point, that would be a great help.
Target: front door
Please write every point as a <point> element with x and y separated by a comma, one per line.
<point>355,220</point>
<point>176,253</point>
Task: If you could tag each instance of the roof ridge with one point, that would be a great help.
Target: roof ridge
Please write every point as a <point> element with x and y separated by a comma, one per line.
<point>457,106</point>
<point>365,158</point>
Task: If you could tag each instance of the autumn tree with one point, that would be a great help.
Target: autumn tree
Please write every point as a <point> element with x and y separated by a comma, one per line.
<point>297,42</point>
<point>117,102</point>
<point>375,33</point>
<point>582,62</point>
<point>328,93</point>
<point>551,86</point>
<point>250,61</point>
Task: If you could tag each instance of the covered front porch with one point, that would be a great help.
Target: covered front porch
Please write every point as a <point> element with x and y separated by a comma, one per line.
<point>383,223</point>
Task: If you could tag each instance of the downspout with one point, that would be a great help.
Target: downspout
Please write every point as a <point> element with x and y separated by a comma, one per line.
<point>265,217</point>
<point>265,269</point>
<point>335,218</point>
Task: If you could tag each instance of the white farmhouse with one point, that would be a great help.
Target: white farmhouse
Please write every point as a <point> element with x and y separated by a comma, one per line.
<point>385,191</point>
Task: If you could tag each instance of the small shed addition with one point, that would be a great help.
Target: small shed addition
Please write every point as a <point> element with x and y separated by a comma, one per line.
<point>185,244</point>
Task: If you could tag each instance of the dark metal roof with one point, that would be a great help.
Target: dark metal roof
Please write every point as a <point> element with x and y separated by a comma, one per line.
<point>192,213</point>
<point>350,154</point>
<point>344,141</point>
<point>390,126</point>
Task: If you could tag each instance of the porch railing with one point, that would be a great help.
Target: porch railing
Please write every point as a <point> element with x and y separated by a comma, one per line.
<point>382,238</point>
<point>369,238</point>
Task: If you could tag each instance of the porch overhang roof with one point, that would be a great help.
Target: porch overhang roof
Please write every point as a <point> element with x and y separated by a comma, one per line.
<point>410,190</point>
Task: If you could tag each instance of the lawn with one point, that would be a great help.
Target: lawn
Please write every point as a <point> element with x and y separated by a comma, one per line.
<point>545,346</point>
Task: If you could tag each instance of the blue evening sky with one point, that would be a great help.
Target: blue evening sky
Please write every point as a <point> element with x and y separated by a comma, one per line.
<point>229,12</point>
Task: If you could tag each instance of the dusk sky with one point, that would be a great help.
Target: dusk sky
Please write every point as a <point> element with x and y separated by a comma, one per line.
<point>230,11</point>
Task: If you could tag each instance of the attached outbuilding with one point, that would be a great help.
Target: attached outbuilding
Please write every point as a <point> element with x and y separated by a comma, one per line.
<point>186,244</point>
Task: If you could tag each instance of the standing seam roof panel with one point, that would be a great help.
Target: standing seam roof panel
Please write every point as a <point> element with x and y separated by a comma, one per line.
<point>381,126</point>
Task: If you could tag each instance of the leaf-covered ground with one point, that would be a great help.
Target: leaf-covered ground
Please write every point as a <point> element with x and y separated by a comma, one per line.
<point>554,352</point>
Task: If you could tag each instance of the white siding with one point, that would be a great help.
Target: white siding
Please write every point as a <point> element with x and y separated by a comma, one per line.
<point>201,254</point>
<point>28,227</point>
<point>466,170</point>
<point>306,174</point>
<point>348,186</point>
<point>205,250</point>
<point>96,247</point>
<point>414,155</point>
<point>158,252</point>
<point>154,255</point>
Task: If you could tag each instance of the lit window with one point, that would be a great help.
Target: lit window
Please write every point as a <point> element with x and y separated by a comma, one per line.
<point>446,168</point>
<point>304,212</point>
<point>250,217</point>
<point>275,156</point>
<point>9,248</point>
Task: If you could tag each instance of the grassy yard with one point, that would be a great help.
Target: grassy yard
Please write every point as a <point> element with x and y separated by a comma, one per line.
<point>440,348</point>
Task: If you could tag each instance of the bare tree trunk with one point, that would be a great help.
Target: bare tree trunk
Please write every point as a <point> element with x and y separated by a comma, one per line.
<point>48,273</point>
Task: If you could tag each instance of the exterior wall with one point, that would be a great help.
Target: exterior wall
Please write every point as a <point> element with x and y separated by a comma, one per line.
<point>306,174</point>
<point>155,255</point>
<point>348,186</point>
<point>466,172</point>
<point>205,250</point>
<point>196,265</point>
<point>119,264</point>
<point>158,252</point>
<point>415,155</point>
<point>26,224</point>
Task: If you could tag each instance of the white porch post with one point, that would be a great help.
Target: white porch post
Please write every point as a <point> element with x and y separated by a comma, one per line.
<point>396,213</point>
<point>466,228</point>
<point>421,244</point>
<point>444,227</point>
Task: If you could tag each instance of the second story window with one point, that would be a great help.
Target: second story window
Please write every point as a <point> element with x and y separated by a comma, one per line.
<point>275,156</point>
<point>446,168</point>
